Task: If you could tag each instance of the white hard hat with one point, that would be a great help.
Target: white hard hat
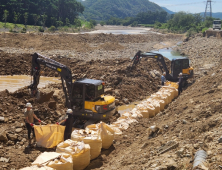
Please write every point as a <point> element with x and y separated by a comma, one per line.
<point>28,105</point>
<point>180,74</point>
<point>164,73</point>
<point>69,111</point>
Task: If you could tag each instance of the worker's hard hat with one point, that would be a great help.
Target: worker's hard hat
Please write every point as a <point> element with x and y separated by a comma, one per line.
<point>69,111</point>
<point>28,105</point>
<point>164,73</point>
<point>180,74</point>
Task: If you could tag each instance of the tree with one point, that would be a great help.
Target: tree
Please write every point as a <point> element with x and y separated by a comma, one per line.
<point>16,17</point>
<point>44,18</point>
<point>35,18</point>
<point>5,16</point>
<point>26,15</point>
<point>67,22</point>
<point>102,23</point>
<point>77,23</point>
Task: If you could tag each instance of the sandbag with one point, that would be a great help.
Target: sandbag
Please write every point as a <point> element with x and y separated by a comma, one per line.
<point>106,133</point>
<point>89,137</point>
<point>35,167</point>
<point>58,161</point>
<point>173,89</point>
<point>79,151</point>
<point>127,119</point>
<point>162,96</point>
<point>151,110</point>
<point>143,110</point>
<point>134,113</point>
<point>49,136</point>
<point>116,130</point>
<point>122,125</point>
<point>161,103</point>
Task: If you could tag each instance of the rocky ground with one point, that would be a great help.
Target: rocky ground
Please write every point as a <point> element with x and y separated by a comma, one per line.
<point>191,122</point>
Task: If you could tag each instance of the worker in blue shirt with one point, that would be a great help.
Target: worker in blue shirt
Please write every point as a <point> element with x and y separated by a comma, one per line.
<point>163,79</point>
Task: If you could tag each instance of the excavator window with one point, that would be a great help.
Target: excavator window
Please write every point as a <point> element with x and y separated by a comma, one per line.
<point>185,64</point>
<point>90,92</point>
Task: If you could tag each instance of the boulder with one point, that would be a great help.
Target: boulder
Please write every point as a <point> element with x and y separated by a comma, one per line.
<point>3,136</point>
<point>44,95</point>
<point>2,119</point>
<point>18,130</point>
<point>12,137</point>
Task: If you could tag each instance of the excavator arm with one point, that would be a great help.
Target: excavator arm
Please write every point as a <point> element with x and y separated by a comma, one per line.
<point>159,58</point>
<point>64,71</point>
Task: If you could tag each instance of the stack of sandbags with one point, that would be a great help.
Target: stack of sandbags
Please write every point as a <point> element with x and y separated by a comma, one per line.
<point>172,84</point>
<point>161,96</point>
<point>106,133</point>
<point>89,137</point>
<point>171,89</point>
<point>153,102</point>
<point>121,125</point>
<point>79,151</point>
<point>146,109</point>
<point>58,161</point>
<point>135,113</point>
<point>127,119</point>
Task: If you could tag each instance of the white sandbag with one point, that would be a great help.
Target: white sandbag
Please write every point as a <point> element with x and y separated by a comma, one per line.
<point>79,151</point>
<point>106,133</point>
<point>128,119</point>
<point>143,110</point>
<point>162,96</point>
<point>58,161</point>
<point>35,167</point>
<point>136,113</point>
<point>89,137</point>
<point>116,130</point>
<point>173,89</point>
<point>122,125</point>
<point>151,109</point>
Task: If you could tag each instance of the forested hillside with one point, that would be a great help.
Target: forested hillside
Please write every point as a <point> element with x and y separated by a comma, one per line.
<point>45,12</point>
<point>105,9</point>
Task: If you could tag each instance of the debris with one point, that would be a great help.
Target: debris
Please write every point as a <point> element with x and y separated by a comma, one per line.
<point>2,159</point>
<point>220,140</point>
<point>3,136</point>
<point>168,146</point>
<point>2,119</point>
<point>200,160</point>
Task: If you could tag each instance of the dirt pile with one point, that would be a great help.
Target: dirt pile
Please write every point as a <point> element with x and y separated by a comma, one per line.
<point>126,84</point>
<point>204,53</point>
<point>190,123</point>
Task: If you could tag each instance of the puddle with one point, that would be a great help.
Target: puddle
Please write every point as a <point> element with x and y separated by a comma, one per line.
<point>169,53</point>
<point>126,108</point>
<point>13,83</point>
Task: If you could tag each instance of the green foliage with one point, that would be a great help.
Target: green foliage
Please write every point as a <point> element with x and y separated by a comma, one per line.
<point>105,9</point>
<point>26,15</point>
<point>102,23</point>
<point>5,16</point>
<point>140,18</point>
<point>59,23</point>
<point>41,29</point>
<point>67,22</point>
<point>23,30</point>
<point>56,9</point>
<point>93,22</point>
<point>77,23</point>
<point>52,29</point>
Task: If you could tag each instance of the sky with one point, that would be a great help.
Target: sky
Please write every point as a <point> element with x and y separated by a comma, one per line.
<point>191,6</point>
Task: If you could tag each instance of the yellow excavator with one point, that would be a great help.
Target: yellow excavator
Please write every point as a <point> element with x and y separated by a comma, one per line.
<point>84,96</point>
<point>178,65</point>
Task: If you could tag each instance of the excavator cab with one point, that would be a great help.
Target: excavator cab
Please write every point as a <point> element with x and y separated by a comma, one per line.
<point>181,65</point>
<point>89,101</point>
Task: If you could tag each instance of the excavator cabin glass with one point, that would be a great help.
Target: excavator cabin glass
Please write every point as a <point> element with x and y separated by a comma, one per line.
<point>177,66</point>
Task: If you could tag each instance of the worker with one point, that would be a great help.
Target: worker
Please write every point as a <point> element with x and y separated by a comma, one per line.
<point>68,123</point>
<point>163,79</point>
<point>180,82</point>
<point>29,121</point>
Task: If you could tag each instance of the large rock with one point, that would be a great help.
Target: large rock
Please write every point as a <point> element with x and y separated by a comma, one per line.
<point>45,95</point>
<point>2,119</point>
<point>3,136</point>
<point>18,130</point>
<point>12,137</point>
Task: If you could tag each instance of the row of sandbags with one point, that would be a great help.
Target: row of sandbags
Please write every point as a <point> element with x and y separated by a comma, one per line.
<point>86,144</point>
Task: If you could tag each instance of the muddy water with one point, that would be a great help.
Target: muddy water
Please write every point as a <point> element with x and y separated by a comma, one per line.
<point>13,83</point>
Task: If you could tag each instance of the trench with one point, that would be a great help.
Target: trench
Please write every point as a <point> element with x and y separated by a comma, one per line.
<point>166,52</point>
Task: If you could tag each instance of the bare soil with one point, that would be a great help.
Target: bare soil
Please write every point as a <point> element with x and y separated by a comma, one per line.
<point>193,120</point>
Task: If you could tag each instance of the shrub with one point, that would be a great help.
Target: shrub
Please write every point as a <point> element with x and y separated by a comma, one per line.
<point>52,28</point>
<point>102,23</point>
<point>23,30</point>
<point>41,29</point>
